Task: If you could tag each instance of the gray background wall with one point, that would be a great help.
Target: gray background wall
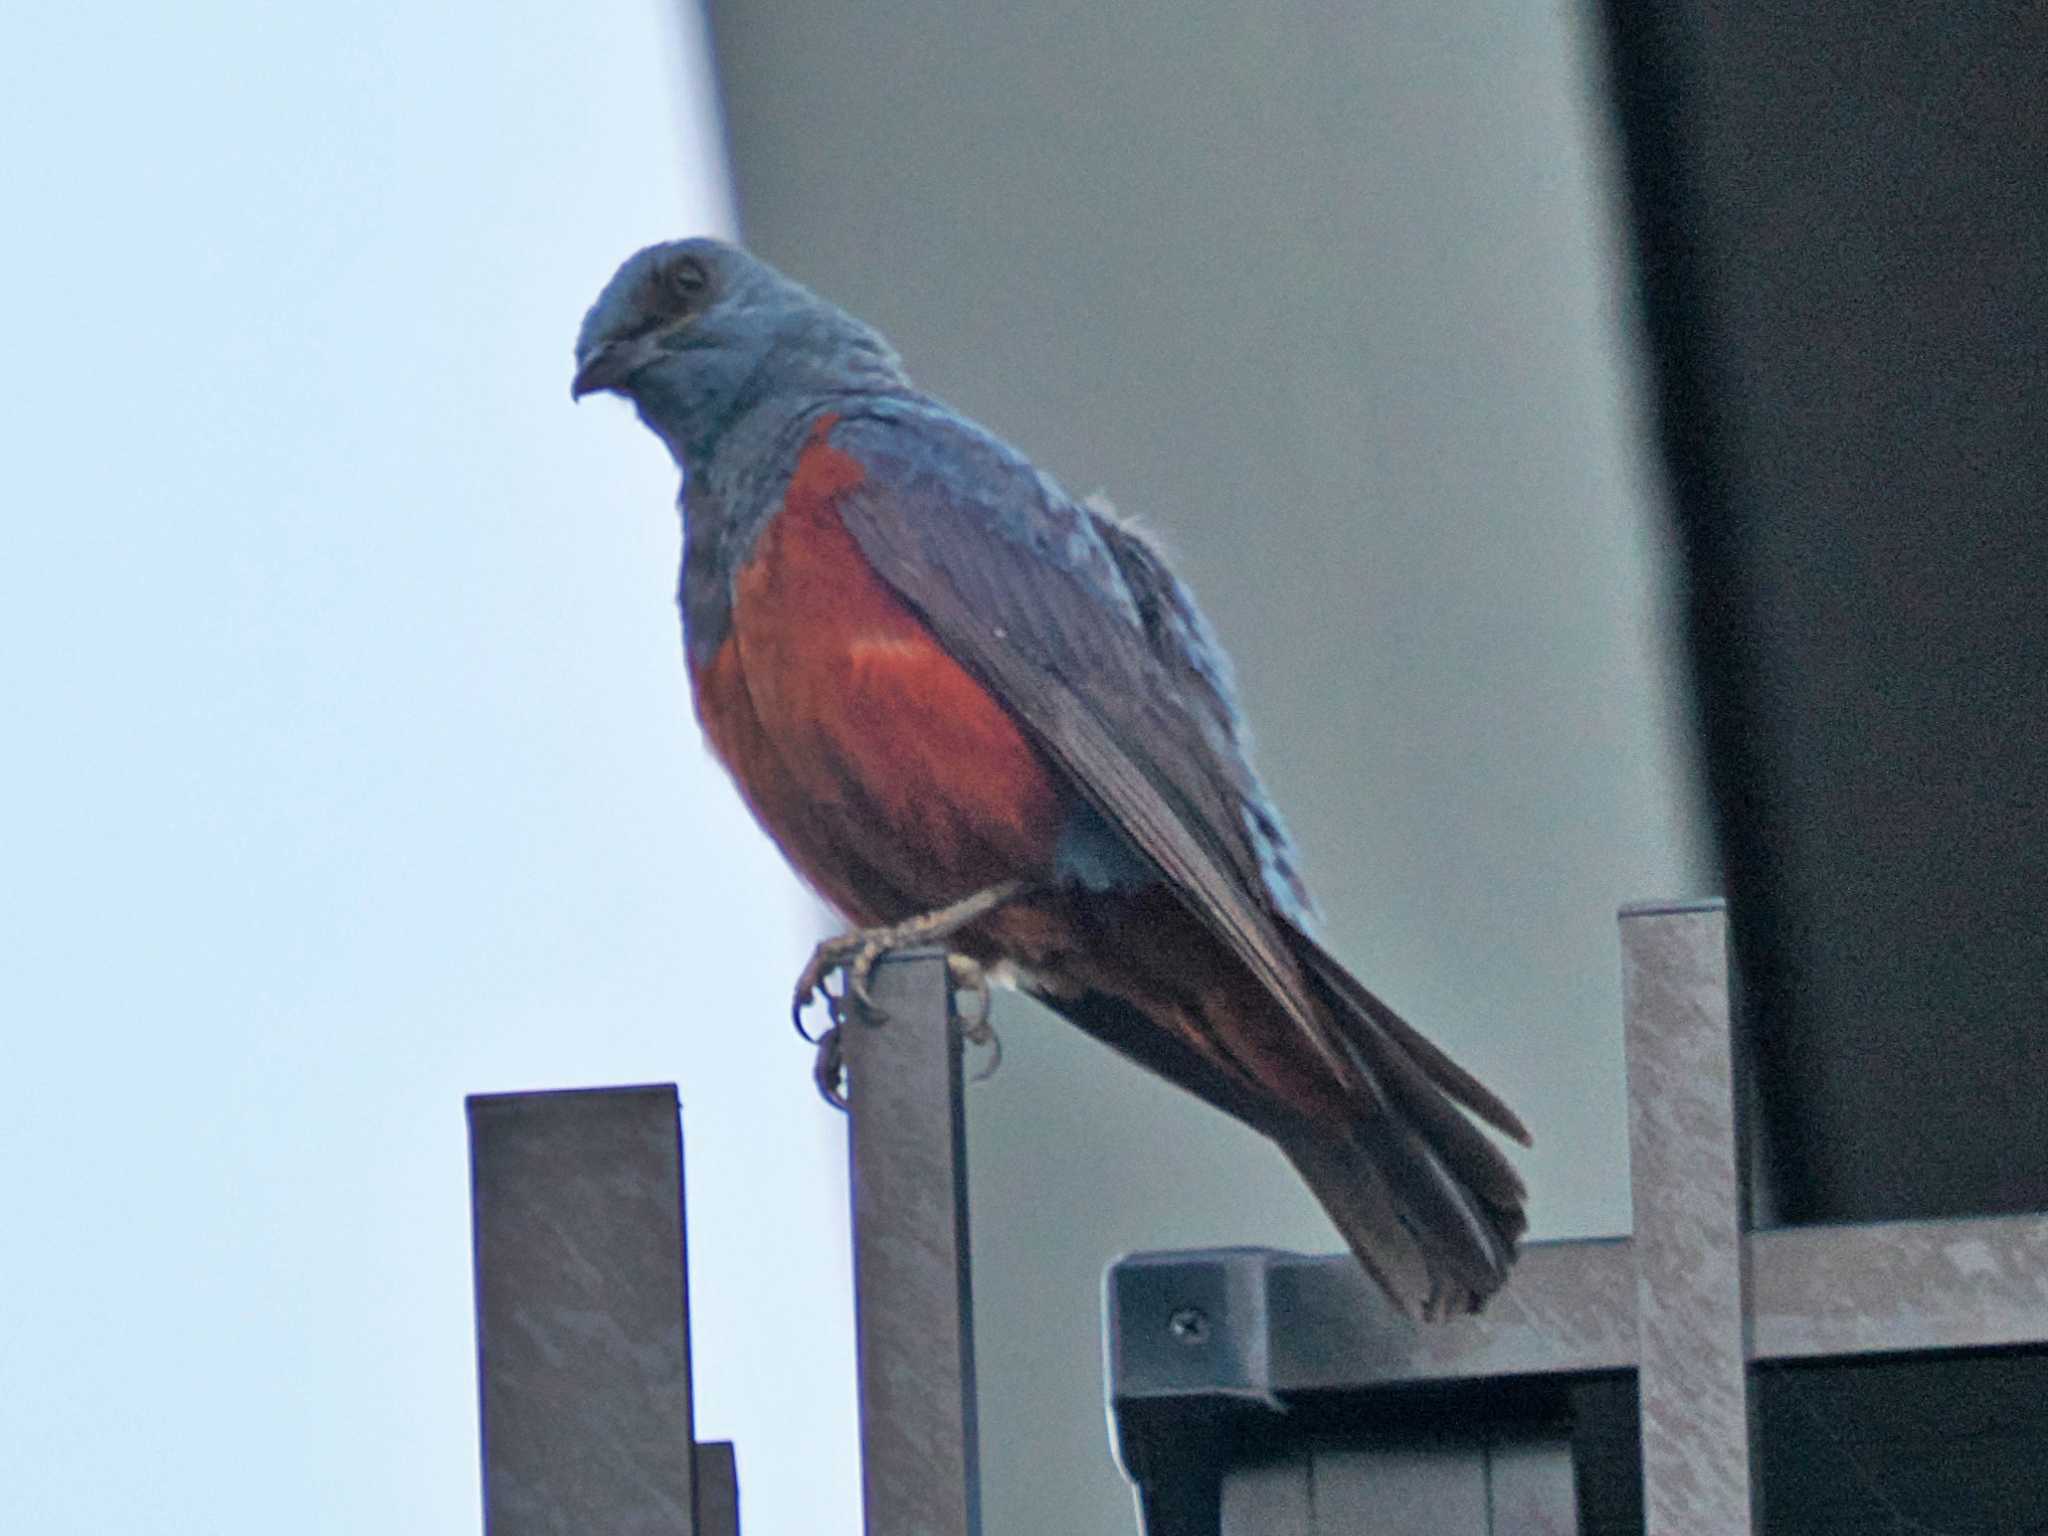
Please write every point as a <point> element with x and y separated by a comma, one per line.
<point>1329,296</point>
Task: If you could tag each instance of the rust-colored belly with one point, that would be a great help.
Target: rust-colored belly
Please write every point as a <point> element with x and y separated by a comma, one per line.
<point>889,777</point>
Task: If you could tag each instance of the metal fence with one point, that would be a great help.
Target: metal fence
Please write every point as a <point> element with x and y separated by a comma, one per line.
<point>1252,1390</point>
<point>1257,1391</point>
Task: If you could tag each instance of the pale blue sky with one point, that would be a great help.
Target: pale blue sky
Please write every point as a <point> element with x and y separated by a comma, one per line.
<point>349,766</point>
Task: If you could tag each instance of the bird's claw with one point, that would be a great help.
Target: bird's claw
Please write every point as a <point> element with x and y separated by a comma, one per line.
<point>828,1070</point>
<point>970,980</point>
<point>853,955</point>
<point>796,1014</point>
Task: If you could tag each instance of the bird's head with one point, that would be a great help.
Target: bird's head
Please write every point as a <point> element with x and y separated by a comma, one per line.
<point>697,332</point>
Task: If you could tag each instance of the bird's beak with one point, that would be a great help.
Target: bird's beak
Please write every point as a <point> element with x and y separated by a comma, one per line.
<point>611,363</point>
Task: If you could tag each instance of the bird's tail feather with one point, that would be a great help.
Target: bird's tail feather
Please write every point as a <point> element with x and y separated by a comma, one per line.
<point>1427,1202</point>
<point>1363,1017</point>
<point>1428,1245</point>
<point>1419,1191</point>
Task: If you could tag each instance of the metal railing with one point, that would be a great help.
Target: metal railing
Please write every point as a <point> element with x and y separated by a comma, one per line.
<point>1252,1390</point>
<point>1258,1391</point>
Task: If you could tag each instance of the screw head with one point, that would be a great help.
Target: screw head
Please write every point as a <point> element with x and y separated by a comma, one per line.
<point>1190,1325</point>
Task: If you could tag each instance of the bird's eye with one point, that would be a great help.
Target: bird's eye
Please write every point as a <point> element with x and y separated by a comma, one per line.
<point>684,282</point>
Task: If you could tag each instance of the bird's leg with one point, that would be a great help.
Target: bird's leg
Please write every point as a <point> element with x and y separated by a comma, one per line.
<point>856,953</point>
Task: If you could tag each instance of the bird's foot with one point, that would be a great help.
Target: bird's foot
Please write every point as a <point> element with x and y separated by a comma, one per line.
<point>854,954</point>
<point>969,981</point>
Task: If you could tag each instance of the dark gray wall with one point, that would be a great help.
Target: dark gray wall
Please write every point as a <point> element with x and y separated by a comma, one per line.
<point>1329,296</point>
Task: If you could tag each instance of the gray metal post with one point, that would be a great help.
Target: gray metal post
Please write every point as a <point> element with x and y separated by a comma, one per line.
<point>919,1470</point>
<point>1689,1243</point>
<point>582,1301</point>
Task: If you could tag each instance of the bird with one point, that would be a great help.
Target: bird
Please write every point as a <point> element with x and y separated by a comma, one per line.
<point>972,709</point>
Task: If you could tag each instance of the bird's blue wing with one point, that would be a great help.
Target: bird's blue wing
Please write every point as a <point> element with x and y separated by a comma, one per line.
<point>1077,626</point>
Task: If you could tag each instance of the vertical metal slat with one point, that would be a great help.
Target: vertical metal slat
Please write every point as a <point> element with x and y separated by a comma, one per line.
<point>583,1350</point>
<point>1685,1150</point>
<point>919,1470</point>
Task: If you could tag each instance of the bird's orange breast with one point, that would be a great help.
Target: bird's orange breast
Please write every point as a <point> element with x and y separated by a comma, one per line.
<point>886,772</point>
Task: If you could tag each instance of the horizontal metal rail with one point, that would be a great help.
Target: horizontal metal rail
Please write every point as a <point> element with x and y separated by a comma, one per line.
<point>1290,1324</point>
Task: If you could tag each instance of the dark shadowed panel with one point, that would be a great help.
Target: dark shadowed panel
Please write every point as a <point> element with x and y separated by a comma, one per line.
<point>1844,239</point>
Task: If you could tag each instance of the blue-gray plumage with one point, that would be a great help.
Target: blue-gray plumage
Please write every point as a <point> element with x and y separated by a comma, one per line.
<point>968,705</point>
